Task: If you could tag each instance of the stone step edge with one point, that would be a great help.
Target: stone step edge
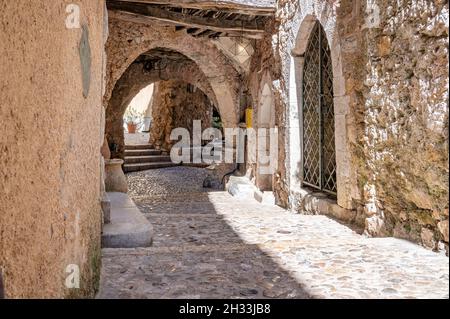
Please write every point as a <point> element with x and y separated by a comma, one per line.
<point>149,164</point>
<point>146,159</point>
<point>153,152</point>
<point>138,146</point>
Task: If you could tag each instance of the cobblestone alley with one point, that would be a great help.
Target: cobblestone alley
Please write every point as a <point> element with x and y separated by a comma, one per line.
<point>211,245</point>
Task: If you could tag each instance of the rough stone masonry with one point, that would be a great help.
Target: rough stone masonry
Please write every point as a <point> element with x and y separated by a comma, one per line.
<point>390,65</point>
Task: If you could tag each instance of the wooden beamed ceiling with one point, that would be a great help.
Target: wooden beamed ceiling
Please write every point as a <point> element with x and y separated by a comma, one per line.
<point>198,18</point>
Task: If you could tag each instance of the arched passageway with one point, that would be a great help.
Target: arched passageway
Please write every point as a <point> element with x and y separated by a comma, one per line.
<point>136,40</point>
<point>378,92</point>
<point>151,67</point>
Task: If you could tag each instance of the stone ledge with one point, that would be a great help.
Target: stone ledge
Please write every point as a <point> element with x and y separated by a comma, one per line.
<point>241,187</point>
<point>266,198</point>
<point>128,227</point>
<point>106,208</point>
<point>312,202</point>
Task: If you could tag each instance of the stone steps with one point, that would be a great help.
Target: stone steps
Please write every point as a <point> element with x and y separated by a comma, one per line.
<point>138,147</point>
<point>142,152</point>
<point>144,157</point>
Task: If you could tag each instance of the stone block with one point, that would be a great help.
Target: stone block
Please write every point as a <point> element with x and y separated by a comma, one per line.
<point>241,187</point>
<point>128,227</point>
<point>106,208</point>
<point>342,213</point>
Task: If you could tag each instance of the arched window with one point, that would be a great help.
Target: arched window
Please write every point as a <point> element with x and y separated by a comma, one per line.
<point>319,151</point>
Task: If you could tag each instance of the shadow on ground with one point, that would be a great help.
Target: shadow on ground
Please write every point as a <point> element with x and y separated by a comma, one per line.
<point>195,254</point>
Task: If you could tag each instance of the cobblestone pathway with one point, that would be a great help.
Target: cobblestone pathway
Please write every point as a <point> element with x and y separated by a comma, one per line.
<point>210,245</point>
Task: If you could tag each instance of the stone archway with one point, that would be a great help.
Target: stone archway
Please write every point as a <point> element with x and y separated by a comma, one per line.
<point>345,175</point>
<point>265,121</point>
<point>128,41</point>
<point>138,76</point>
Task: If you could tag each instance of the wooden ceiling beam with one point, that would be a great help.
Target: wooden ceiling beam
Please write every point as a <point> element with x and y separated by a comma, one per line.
<point>256,7</point>
<point>187,21</point>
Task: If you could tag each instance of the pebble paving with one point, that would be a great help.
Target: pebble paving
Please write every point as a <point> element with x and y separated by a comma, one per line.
<point>210,245</point>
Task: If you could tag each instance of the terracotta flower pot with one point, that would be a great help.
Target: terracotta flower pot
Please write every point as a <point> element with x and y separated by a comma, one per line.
<point>115,180</point>
<point>131,128</point>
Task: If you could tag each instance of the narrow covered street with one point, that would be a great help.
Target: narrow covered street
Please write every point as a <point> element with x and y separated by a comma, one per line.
<point>212,245</point>
<point>228,149</point>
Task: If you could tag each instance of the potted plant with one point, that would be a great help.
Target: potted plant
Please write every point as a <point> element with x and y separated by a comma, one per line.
<point>133,119</point>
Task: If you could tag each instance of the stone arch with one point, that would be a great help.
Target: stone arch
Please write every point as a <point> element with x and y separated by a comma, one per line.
<point>128,41</point>
<point>265,120</point>
<point>134,79</point>
<point>345,175</point>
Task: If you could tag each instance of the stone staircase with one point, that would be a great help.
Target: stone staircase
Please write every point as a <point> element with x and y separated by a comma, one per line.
<point>143,157</point>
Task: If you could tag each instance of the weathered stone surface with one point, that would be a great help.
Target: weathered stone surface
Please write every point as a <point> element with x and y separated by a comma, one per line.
<point>174,106</point>
<point>266,198</point>
<point>443,228</point>
<point>391,92</point>
<point>50,214</point>
<point>406,116</point>
<point>241,187</point>
<point>128,227</point>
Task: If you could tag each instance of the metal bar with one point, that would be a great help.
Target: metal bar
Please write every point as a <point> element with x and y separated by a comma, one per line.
<point>312,185</point>
<point>318,188</point>
<point>329,192</point>
<point>321,181</point>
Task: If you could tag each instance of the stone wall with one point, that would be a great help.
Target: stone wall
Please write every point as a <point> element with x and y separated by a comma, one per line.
<point>50,215</point>
<point>175,106</point>
<point>390,74</point>
<point>405,93</point>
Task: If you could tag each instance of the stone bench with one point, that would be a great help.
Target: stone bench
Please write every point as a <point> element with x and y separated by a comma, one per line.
<point>128,228</point>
